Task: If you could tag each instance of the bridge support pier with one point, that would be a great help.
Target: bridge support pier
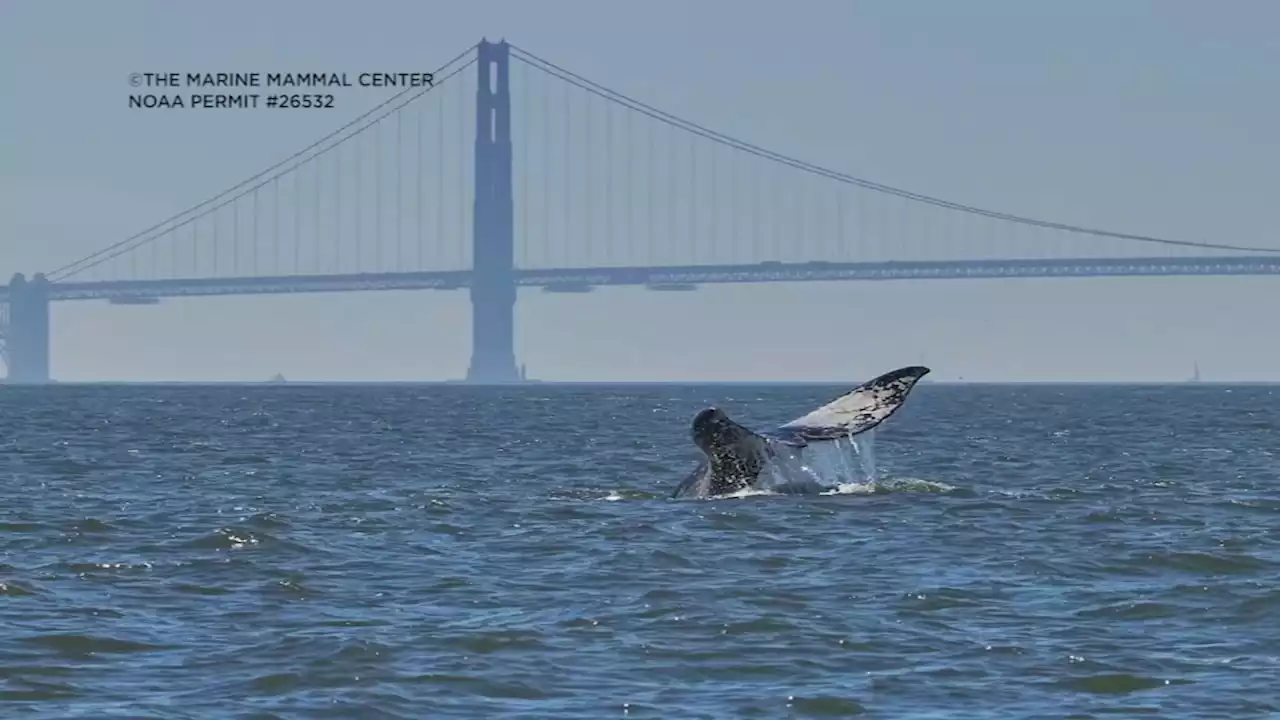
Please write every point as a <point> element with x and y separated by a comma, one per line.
<point>493,286</point>
<point>27,339</point>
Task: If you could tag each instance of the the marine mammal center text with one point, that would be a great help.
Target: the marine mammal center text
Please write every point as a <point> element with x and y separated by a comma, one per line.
<point>298,80</point>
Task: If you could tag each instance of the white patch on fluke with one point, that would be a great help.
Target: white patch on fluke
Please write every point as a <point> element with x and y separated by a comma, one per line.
<point>860,409</point>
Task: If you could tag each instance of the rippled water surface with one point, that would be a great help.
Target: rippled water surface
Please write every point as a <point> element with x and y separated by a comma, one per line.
<point>442,551</point>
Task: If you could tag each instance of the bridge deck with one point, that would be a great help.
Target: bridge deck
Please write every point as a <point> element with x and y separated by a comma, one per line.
<point>673,275</point>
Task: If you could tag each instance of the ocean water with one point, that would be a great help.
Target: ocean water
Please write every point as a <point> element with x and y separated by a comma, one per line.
<point>451,552</point>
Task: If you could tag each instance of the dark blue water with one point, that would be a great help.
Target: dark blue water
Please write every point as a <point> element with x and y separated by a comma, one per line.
<point>446,552</point>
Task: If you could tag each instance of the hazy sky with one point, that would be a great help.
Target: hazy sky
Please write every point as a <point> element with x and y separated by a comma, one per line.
<point>1148,116</point>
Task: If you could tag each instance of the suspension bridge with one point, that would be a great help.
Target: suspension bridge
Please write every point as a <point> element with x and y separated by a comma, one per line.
<point>536,176</point>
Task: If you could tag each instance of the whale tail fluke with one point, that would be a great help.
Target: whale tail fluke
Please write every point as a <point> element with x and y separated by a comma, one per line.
<point>857,411</point>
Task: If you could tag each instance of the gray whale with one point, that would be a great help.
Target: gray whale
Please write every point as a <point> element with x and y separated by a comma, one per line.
<point>735,456</point>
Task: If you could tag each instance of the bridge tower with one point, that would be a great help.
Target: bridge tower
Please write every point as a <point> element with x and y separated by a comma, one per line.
<point>493,283</point>
<point>27,339</point>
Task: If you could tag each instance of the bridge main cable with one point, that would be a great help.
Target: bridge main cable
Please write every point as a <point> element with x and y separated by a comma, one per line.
<point>688,126</point>
<point>157,230</point>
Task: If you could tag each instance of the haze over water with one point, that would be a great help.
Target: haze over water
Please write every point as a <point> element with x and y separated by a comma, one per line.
<point>454,552</point>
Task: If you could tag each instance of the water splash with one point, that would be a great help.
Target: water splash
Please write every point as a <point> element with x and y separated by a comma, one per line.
<point>839,467</point>
<point>865,448</point>
<point>822,465</point>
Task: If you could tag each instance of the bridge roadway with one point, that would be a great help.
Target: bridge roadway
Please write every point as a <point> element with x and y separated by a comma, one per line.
<point>668,278</point>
